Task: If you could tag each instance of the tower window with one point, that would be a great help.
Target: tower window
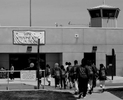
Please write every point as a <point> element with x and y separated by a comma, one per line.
<point>95,13</point>
<point>109,13</point>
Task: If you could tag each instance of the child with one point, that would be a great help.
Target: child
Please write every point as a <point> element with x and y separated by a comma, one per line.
<point>102,76</point>
<point>48,74</point>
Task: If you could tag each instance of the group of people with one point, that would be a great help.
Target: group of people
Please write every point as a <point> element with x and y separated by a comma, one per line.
<point>82,77</point>
<point>4,73</point>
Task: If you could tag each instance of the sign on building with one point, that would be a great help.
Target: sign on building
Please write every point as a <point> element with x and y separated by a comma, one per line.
<point>28,37</point>
<point>28,75</point>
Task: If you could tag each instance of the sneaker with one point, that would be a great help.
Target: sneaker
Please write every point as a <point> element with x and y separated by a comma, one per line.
<point>100,86</point>
<point>84,97</point>
<point>80,95</point>
<point>70,87</point>
<point>90,92</point>
<point>76,93</point>
<point>49,84</point>
<point>103,90</point>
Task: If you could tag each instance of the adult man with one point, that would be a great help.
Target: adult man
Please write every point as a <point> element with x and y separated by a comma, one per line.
<point>57,74</point>
<point>82,75</point>
<point>74,71</point>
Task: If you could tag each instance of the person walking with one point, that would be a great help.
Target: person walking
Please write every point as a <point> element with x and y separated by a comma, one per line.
<point>102,76</point>
<point>90,75</point>
<point>57,75</point>
<point>48,74</point>
<point>12,72</point>
<point>95,70</point>
<point>69,76</point>
<point>63,77</point>
<point>75,80</point>
<point>82,76</point>
<point>66,65</point>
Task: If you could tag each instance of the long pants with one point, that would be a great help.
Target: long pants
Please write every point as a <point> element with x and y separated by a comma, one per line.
<point>94,82</point>
<point>63,82</point>
<point>57,80</point>
<point>90,84</point>
<point>12,76</point>
<point>83,85</point>
<point>70,83</point>
<point>76,86</point>
<point>48,78</point>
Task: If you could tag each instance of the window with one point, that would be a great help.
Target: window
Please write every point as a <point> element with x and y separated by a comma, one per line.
<point>109,13</point>
<point>95,13</point>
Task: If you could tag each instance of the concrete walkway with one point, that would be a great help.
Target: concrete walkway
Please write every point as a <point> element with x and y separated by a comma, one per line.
<point>116,82</point>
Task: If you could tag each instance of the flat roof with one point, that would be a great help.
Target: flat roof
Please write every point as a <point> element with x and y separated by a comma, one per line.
<point>103,6</point>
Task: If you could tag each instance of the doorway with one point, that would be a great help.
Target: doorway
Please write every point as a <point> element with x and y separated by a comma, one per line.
<point>90,56</point>
<point>111,65</point>
<point>22,61</point>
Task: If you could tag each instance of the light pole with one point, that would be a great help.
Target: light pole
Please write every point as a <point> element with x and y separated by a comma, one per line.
<point>38,61</point>
<point>30,22</point>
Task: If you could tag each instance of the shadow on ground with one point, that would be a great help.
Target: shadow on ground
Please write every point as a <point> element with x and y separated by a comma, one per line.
<point>36,95</point>
<point>116,91</point>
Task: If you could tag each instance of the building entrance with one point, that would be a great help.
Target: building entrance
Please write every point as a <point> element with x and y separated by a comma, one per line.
<point>90,56</point>
<point>110,65</point>
<point>22,61</point>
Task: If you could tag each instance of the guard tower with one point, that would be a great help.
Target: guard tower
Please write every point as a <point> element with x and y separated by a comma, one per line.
<point>103,16</point>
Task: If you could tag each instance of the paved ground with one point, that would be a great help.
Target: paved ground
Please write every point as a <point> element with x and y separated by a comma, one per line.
<point>115,83</point>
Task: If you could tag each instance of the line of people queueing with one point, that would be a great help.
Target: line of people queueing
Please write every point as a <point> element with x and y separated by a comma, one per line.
<point>82,77</point>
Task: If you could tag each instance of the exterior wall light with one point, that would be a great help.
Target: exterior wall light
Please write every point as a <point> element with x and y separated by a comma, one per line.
<point>76,35</point>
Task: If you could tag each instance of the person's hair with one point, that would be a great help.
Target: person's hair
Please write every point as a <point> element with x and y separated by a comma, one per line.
<point>62,66</point>
<point>83,62</point>
<point>66,63</point>
<point>75,62</point>
<point>56,64</point>
<point>48,65</point>
<point>101,66</point>
<point>69,63</point>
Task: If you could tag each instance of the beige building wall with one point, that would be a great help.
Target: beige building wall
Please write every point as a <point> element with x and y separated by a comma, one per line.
<point>69,43</point>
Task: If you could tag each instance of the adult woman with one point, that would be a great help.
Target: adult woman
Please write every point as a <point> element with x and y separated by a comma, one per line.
<point>102,76</point>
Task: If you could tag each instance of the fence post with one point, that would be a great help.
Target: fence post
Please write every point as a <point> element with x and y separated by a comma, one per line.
<point>44,79</point>
<point>8,81</point>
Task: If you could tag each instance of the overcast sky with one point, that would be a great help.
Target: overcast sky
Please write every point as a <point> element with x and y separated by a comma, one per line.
<point>47,12</point>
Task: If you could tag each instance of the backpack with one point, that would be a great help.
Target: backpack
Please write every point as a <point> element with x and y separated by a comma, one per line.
<point>69,70</point>
<point>57,72</point>
<point>90,70</point>
<point>63,73</point>
<point>103,73</point>
<point>75,70</point>
<point>82,72</point>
